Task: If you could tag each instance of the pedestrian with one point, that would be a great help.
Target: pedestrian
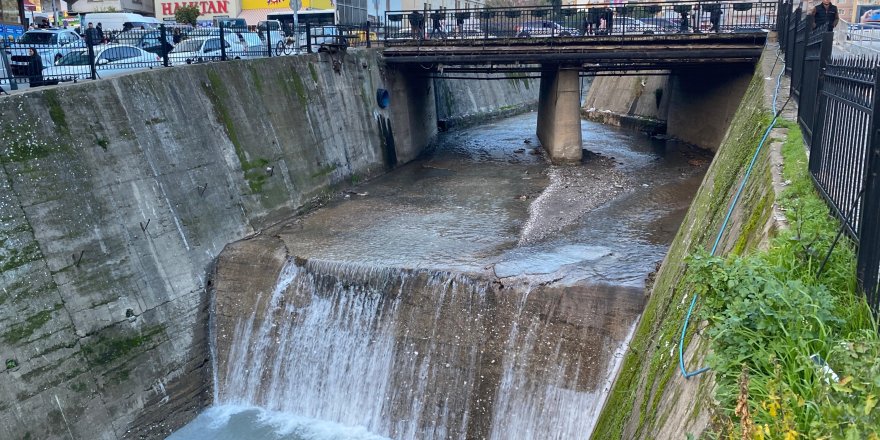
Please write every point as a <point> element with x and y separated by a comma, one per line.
<point>99,31</point>
<point>175,36</point>
<point>416,21</point>
<point>92,35</point>
<point>34,68</point>
<point>437,24</point>
<point>715,19</point>
<point>825,16</point>
<point>609,21</point>
<point>459,23</point>
<point>683,25</point>
<point>588,23</point>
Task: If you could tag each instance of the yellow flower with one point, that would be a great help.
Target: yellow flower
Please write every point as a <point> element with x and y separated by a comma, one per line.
<point>772,407</point>
<point>791,435</point>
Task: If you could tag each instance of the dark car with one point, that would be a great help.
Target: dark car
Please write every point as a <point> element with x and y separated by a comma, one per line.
<point>148,40</point>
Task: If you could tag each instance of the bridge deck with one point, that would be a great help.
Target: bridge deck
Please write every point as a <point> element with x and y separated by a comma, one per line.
<point>603,53</point>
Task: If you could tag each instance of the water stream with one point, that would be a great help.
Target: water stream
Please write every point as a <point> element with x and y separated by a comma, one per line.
<point>476,293</point>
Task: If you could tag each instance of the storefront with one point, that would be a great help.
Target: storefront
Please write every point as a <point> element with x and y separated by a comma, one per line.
<point>255,11</point>
<point>209,9</point>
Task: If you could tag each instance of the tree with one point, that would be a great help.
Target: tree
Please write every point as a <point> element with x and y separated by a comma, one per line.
<point>187,14</point>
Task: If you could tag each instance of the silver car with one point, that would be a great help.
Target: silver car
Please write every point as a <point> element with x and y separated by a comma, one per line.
<point>543,28</point>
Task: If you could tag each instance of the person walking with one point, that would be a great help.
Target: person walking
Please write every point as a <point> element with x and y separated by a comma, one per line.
<point>715,19</point>
<point>416,21</point>
<point>825,16</point>
<point>34,68</point>
<point>92,35</point>
<point>99,31</point>
<point>437,24</point>
<point>176,37</point>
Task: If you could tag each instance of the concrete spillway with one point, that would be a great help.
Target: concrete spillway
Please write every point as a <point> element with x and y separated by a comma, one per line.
<point>421,354</point>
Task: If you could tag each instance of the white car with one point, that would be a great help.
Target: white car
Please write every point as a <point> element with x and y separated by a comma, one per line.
<point>50,44</point>
<point>201,49</point>
<point>110,60</point>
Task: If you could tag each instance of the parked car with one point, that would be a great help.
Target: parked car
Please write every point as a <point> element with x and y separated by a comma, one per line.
<point>110,60</point>
<point>148,40</point>
<point>50,44</point>
<point>544,28</point>
<point>629,25</point>
<point>662,25</point>
<point>201,49</point>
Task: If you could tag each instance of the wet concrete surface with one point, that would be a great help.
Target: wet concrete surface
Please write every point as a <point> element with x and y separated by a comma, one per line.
<point>486,201</point>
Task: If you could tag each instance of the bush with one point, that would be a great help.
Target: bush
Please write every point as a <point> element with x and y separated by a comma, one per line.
<point>187,15</point>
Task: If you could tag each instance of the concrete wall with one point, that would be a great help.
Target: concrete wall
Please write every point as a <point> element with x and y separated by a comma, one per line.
<point>473,101</point>
<point>117,195</point>
<point>650,398</point>
<point>630,101</point>
<point>703,102</point>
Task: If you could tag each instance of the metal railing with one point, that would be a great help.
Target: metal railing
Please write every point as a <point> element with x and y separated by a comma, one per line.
<point>839,114</point>
<point>116,53</point>
<point>595,20</point>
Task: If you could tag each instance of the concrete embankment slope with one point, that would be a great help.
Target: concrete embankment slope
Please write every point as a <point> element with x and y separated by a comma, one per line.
<point>650,398</point>
<point>117,195</point>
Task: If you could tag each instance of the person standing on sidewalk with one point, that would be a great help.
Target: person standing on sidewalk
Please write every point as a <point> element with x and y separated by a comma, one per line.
<point>825,16</point>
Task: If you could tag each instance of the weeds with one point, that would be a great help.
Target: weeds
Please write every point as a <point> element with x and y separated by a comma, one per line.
<point>796,353</point>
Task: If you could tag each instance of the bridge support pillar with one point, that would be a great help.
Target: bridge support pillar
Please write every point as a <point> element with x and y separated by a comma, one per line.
<point>559,117</point>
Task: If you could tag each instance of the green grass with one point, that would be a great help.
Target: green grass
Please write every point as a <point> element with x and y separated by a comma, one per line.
<point>770,311</point>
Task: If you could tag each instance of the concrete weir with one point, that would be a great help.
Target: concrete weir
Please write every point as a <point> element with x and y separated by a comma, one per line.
<point>414,354</point>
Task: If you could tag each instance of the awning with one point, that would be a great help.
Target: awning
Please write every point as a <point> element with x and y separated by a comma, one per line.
<point>28,6</point>
<point>254,16</point>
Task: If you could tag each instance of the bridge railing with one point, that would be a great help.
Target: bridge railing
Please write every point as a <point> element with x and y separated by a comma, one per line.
<point>839,114</point>
<point>455,25</point>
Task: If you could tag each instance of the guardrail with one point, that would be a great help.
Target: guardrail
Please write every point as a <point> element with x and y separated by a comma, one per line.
<point>406,26</point>
<point>839,114</point>
<point>116,53</point>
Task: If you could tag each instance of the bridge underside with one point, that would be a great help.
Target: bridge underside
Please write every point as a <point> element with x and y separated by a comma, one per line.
<point>701,57</point>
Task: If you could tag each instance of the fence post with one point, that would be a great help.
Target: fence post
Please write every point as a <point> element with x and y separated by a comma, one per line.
<point>91,51</point>
<point>309,37</point>
<point>368,34</point>
<point>269,38</point>
<point>163,35</point>
<point>222,42</point>
<point>6,67</point>
<point>868,263</point>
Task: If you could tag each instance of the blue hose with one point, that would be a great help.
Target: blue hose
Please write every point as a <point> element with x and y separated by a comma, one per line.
<point>739,191</point>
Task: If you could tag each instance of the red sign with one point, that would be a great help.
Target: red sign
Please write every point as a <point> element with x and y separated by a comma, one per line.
<point>205,7</point>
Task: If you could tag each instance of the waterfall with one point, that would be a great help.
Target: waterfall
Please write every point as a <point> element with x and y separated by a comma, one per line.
<point>417,354</point>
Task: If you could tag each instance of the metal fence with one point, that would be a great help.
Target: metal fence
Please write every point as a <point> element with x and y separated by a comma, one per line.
<point>596,20</point>
<point>839,114</point>
<point>61,56</point>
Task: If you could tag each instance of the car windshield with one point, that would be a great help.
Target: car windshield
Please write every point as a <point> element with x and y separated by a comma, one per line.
<point>38,38</point>
<point>188,46</point>
<point>76,58</point>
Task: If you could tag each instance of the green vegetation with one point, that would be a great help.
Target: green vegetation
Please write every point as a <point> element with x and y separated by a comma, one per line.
<point>324,170</point>
<point>11,363</point>
<point>104,350</point>
<point>55,110</point>
<point>16,258</point>
<point>774,321</point>
<point>253,170</point>
<point>24,330</point>
<point>187,14</point>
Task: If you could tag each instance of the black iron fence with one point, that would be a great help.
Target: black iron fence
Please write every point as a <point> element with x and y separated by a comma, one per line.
<point>69,57</point>
<point>596,19</point>
<point>839,114</point>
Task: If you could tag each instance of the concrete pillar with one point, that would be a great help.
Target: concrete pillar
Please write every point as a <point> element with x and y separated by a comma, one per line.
<point>703,101</point>
<point>413,111</point>
<point>559,117</point>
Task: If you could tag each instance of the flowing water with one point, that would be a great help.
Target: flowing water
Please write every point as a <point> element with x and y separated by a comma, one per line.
<point>476,293</point>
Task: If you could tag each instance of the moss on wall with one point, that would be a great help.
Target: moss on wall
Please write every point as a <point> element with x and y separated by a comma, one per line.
<point>652,360</point>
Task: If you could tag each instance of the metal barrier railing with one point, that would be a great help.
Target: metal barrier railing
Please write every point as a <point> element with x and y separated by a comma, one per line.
<point>839,114</point>
<point>634,18</point>
<point>72,58</point>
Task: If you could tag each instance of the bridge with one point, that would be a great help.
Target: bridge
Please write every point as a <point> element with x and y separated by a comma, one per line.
<point>706,48</point>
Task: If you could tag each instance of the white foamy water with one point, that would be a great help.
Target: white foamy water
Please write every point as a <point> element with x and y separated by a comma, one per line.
<point>236,422</point>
